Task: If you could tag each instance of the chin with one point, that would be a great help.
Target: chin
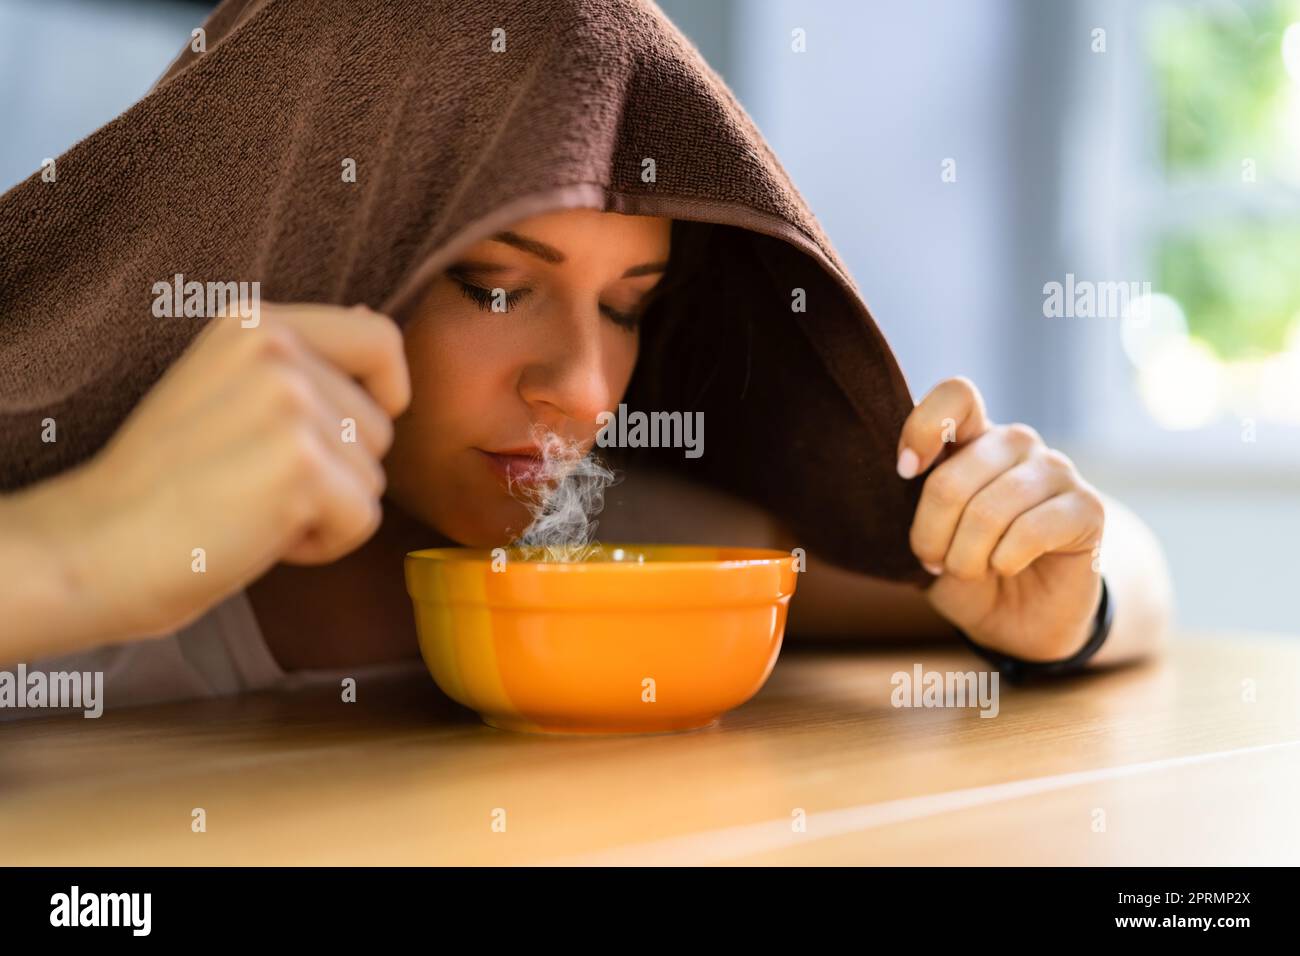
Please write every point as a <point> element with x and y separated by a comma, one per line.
<point>464,508</point>
<point>485,526</point>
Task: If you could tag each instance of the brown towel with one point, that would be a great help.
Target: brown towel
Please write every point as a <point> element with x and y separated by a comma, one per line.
<point>231,169</point>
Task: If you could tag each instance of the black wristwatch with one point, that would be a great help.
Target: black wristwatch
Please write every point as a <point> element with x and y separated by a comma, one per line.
<point>1016,670</point>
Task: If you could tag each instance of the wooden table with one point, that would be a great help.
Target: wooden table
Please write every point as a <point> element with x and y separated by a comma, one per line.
<point>1167,763</point>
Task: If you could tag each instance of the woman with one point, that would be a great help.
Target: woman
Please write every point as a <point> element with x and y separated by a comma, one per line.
<point>660,257</point>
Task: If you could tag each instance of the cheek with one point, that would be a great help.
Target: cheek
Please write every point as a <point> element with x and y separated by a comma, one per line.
<point>621,354</point>
<point>457,371</point>
<point>454,373</point>
<point>451,389</point>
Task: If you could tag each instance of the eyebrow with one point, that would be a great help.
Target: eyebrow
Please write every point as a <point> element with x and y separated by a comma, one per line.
<point>550,254</point>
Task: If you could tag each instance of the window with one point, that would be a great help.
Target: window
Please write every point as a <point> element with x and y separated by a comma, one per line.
<point>1183,170</point>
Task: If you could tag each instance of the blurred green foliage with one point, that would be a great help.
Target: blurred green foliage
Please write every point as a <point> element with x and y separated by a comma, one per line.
<point>1225,95</point>
<point>1222,85</point>
<point>1239,284</point>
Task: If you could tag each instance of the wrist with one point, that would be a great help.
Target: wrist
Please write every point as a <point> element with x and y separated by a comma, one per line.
<point>1017,669</point>
<point>1068,642</point>
<point>39,600</point>
<point>51,558</point>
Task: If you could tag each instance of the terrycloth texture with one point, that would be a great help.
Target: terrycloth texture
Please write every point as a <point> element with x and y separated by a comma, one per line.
<point>231,170</point>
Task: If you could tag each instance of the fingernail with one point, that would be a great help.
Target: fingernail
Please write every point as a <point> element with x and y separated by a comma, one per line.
<point>935,569</point>
<point>907,463</point>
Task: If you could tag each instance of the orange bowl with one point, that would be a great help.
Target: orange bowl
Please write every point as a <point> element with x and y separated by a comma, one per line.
<point>638,639</point>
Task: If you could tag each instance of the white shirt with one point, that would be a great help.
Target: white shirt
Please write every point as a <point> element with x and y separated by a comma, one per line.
<point>221,653</point>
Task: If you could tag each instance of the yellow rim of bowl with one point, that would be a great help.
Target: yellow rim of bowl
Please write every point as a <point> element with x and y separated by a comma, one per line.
<point>737,557</point>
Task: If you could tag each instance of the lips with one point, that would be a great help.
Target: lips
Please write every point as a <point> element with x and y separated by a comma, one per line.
<point>515,466</point>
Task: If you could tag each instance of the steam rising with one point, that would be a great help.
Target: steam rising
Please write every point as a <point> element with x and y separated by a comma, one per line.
<point>564,504</point>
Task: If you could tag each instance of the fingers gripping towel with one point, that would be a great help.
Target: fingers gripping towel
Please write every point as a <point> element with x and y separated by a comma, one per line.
<point>344,151</point>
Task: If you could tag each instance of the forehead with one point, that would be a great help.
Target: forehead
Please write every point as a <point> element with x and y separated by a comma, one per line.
<point>590,232</point>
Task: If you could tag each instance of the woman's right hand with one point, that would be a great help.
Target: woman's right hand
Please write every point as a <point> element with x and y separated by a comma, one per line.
<point>239,450</point>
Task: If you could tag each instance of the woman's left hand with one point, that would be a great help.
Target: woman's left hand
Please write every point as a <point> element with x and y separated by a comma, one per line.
<point>1009,525</point>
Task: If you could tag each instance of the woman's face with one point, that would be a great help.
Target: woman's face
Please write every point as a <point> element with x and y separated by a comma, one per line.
<point>536,326</point>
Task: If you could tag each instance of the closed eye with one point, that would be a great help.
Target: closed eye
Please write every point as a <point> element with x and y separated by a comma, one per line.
<point>499,300</point>
<point>631,319</point>
<point>491,300</point>
<point>626,320</point>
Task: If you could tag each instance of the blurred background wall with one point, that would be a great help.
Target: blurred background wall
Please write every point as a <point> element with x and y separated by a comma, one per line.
<point>964,155</point>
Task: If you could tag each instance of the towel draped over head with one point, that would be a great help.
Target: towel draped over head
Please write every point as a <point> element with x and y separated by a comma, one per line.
<point>458,119</point>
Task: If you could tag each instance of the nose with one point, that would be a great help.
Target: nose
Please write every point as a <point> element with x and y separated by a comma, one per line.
<point>568,376</point>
